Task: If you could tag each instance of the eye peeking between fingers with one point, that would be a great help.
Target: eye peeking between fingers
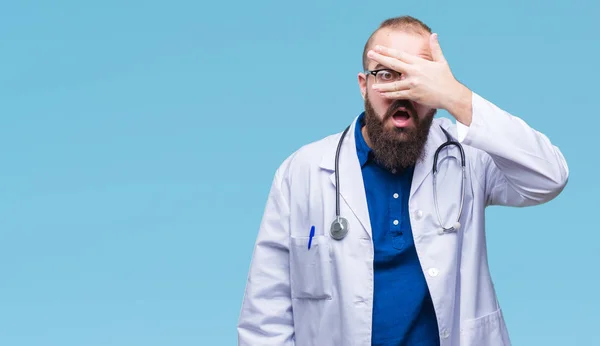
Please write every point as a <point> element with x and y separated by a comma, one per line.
<point>383,76</point>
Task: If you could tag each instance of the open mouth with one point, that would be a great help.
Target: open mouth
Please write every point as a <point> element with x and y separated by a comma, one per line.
<point>401,117</point>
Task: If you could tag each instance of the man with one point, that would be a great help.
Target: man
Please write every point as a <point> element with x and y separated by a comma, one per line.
<point>405,273</point>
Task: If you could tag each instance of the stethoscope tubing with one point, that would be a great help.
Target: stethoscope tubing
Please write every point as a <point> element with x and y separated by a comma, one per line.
<point>339,227</point>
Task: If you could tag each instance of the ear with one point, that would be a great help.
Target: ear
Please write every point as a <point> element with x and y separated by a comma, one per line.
<point>362,84</point>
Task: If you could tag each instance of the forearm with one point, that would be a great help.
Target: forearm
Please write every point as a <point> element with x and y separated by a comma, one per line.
<point>523,157</point>
<point>460,104</point>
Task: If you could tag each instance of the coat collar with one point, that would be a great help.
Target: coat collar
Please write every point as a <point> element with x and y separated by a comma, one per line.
<point>350,167</point>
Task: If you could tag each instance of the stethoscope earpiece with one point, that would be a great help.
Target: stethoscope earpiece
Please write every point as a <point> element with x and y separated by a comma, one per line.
<point>452,229</point>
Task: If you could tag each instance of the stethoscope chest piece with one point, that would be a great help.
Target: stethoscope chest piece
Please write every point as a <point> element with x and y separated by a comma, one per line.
<point>339,228</point>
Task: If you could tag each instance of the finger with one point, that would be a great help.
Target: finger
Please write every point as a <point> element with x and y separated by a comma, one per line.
<point>394,53</point>
<point>397,95</point>
<point>404,84</point>
<point>389,62</point>
<point>436,50</point>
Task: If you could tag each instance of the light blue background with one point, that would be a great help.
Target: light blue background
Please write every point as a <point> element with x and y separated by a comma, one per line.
<point>138,141</point>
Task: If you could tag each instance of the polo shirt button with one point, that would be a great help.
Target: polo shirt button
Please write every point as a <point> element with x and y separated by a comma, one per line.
<point>395,195</point>
<point>395,222</point>
<point>433,272</point>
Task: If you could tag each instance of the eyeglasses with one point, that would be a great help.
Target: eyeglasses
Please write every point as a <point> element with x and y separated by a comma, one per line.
<point>385,75</point>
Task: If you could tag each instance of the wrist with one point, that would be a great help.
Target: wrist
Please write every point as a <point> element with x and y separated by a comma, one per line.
<point>460,104</point>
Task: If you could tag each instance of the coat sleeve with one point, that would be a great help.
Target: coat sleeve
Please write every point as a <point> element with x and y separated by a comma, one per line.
<point>517,165</point>
<point>266,313</point>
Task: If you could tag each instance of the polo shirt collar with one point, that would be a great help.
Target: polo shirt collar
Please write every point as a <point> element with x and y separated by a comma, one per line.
<point>363,151</point>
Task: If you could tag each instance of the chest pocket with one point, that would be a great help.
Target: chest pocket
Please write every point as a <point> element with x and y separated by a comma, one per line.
<point>310,269</point>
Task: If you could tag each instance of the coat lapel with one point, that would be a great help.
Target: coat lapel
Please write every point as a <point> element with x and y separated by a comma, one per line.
<point>424,167</point>
<point>351,187</point>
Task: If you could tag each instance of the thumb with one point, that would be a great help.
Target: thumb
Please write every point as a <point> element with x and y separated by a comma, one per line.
<point>436,50</point>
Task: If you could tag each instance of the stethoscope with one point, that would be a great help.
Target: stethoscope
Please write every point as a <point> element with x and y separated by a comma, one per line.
<point>339,227</point>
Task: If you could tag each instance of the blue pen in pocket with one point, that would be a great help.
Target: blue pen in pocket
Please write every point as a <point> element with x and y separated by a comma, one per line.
<point>312,234</point>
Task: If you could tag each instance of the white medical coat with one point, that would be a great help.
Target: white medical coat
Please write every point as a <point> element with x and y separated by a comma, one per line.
<point>323,296</point>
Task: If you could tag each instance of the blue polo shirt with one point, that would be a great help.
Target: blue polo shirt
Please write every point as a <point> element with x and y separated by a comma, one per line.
<point>403,313</point>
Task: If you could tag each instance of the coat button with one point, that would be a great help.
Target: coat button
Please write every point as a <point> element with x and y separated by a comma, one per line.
<point>445,334</point>
<point>433,272</point>
<point>419,214</point>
